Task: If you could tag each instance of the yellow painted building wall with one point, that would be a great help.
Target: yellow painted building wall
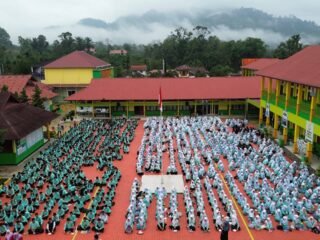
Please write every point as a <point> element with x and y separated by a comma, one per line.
<point>291,117</point>
<point>68,76</point>
<point>67,107</point>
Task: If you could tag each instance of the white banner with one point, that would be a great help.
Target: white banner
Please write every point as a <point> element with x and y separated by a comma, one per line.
<point>84,109</point>
<point>302,146</point>
<point>267,113</point>
<point>284,120</point>
<point>29,141</point>
<point>102,110</point>
<point>34,137</point>
<point>21,149</point>
<point>309,132</point>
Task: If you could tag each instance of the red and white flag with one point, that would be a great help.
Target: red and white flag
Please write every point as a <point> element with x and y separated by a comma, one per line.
<point>160,100</point>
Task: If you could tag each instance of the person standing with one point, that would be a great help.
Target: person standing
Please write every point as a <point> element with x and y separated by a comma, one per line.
<point>59,130</point>
<point>225,229</point>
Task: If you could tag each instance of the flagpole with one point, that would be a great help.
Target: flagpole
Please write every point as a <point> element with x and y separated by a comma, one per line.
<point>160,101</point>
<point>160,108</point>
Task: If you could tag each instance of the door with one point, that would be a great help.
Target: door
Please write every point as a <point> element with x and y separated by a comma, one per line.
<point>138,110</point>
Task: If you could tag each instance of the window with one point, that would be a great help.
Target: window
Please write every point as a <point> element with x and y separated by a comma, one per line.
<point>118,109</point>
<point>170,108</point>
<point>185,108</point>
<point>237,107</point>
<point>282,89</point>
<point>71,92</point>
<point>152,108</point>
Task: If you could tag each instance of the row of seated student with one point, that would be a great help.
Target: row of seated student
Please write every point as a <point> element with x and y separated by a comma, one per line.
<point>57,181</point>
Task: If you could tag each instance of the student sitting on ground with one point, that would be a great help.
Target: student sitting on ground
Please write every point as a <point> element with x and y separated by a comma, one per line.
<point>128,226</point>
<point>17,236</point>
<point>35,227</point>
<point>268,225</point>
<point>98,226</point>
<point>56,218</point>
<point>297,223</point>
<point>19,227</point>
<point>84,225</point>
<point>3,229</point>
<point>312,225</point>
<point>141,224</point>
<point>284,224</point>
<point>161,223</point>
<point>51,227</point>
<point>175,226</point>
<point>204,223</point>
<point>69,226</point>
<point>103,216</point>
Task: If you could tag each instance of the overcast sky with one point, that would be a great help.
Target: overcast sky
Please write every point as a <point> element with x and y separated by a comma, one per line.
<point>30,17</point>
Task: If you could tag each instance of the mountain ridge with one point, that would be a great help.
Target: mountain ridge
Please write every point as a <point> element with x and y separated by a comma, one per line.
<point>227,24</point>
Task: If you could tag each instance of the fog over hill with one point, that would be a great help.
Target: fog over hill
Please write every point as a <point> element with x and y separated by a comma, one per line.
<point>229,24</point>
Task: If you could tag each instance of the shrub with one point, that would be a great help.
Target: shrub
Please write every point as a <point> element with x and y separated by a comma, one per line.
<point>281,142</point>
<point>316,149</point>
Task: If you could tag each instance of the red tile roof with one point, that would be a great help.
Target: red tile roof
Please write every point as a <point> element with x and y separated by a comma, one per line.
<point>118,52</point>
<point>138,67</point>
<point>46,91</point>
<point>246,61</point>
<point>261,63</point>
<point>172,89</point>
<point>77,59</point>
<point>302,67</point>
<point>20,119</point>
<point>16,83</point>
<point>183,68</point>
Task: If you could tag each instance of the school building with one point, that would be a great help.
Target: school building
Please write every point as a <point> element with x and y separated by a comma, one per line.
<point>290,93</point>
<point>18,83</point>
<point>73,72</point>
<point>251,65</point>
<point>21,125</point>
<point>108,97</point>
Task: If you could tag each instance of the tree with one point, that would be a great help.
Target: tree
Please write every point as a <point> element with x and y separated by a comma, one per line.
<point>5,47</point>
<point>220,70</point>
<point>198,47</point>
<point>4,88</point>
<point>200,74</point>
<point>102,50</point>
<point>37,100</point>
<point>216,52</point>
<point>66,42</point>
<point>170,74</point>
<point>16,95</point>
<point>175,47</point>
<point>5,39</point>
<point>201,32</point>
<point>249,48</point>
<point>253,48</point>
<point>26,57</point>
<point>88,44</point>
<point>288,48</point>
<point>40,44</point>
<point>23,98</point>
<point>79,43</point>
<point>65,46</point>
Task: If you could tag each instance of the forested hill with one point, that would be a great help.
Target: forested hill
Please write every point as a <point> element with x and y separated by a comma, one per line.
<point>192,39</point>
<point>225,24</point>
